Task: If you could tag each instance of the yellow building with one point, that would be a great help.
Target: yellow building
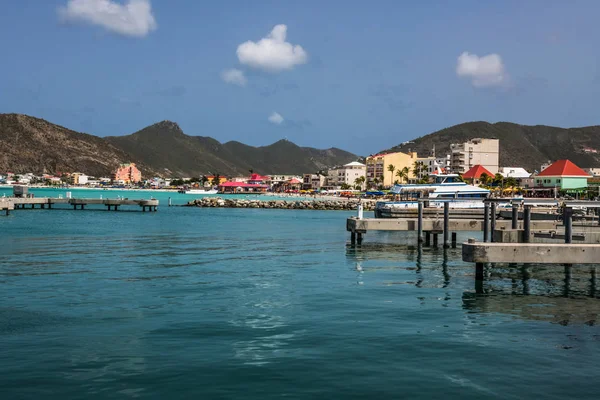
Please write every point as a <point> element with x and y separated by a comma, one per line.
<point>378,167</point>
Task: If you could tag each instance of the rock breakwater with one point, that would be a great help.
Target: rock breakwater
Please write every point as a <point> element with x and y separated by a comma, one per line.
<point>281,204</point>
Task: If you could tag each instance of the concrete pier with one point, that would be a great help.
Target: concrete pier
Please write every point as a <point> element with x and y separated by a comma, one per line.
<point>531,253</point>
<point>12,203</point>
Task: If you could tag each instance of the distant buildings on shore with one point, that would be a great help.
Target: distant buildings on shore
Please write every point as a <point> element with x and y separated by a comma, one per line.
<point>476,160</point>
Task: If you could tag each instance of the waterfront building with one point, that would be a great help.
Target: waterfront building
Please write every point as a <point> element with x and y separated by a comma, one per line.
<point>78,178</point>
<point>222,179</point>
<point>127,173</point>
<point>347,175</point>
<point>313,181</point>
<point>378,167</point>
<point>563,175</point>
<point>477,151</point>
<point>242,187</point>
<point>514,172</point>
<point>291,184</point>
<point>431,164</point>
<point>257,179</point>
<point>281,182</point>
<point>592,171</point>
<point>474,174</point>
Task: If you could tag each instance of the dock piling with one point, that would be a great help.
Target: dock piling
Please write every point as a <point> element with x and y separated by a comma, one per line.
<point>453,239</point>
<point>493,222</point>
<point>515,216</point>
<point>427,238</point>
<point>446,218</point>
<point>486,221</point>
<point>420,222</point>
<point>435,239</point>
<point>526,224</point>
<point>568,221</point>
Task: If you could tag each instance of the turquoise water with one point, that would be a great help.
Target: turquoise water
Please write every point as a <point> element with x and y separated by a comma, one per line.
<point>163,197</point>
<point>261,304</point>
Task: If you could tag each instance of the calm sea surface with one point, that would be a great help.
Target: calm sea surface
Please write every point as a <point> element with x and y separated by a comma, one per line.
<point>260,304</point>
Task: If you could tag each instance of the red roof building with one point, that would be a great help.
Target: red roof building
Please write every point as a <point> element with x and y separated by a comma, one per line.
<point>564,169</point>
<point>476,171</point>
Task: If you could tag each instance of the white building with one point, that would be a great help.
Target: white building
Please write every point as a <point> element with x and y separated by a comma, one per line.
<point>478,151</point>
<point>313,181</point>
<point>348,174</point>
<point>514,172</point>
<point>431,164</point>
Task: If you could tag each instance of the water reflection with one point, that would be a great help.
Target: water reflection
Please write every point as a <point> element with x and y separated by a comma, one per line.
<point>538,292</point>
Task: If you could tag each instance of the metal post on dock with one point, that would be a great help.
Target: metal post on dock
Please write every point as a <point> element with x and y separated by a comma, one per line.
<point>446,224</point>
<point>515,216</point>
<point>568,221</point>
<point>526,224</point>
<point>420,222</point>
<point>486,221</point>
<point>493,222</point>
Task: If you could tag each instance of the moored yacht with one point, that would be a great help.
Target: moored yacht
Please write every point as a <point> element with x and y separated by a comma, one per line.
<point>445,188</point>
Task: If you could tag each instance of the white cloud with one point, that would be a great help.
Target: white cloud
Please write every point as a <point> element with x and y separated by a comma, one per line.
<point>486,71</point>
<point>276,118</point>
<point>234,76</point>
<point>134,18</point>
<point>272,53</point>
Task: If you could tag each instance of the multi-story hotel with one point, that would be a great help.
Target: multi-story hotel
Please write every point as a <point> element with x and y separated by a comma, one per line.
<point>346,174</point>
<point>485,152</point>
<point>127,173</point>
<point>378,167</point>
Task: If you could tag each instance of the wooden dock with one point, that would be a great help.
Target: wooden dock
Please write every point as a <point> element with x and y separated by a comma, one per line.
<point>8,204</point>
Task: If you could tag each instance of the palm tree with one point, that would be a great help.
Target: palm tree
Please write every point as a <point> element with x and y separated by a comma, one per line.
<point>402,174</point>
<point>375,181</point>
<point>484,179</point>
<point>359,181</point>
<point>418,168</point>
<point>499,180</point>
<point>216,180</point>
<point>405,173</point>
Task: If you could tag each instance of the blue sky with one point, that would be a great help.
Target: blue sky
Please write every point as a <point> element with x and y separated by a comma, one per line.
<point>366,75</point>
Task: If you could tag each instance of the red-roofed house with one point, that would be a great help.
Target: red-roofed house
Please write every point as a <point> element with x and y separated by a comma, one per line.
<point>257,179</point>
<point>562,174</point>
<point>241,187</point>
<point>474,174</point>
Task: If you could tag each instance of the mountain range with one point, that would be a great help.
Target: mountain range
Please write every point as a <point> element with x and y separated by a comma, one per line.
<point>520,145</point>
<point>29,144</point>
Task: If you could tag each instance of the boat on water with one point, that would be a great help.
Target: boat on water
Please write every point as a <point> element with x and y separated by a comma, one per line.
<point>446,188</point>
<point>198,191</point>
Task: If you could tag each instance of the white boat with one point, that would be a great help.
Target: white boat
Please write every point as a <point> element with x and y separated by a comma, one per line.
<point>447,188</point>
<point>198,191</point>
